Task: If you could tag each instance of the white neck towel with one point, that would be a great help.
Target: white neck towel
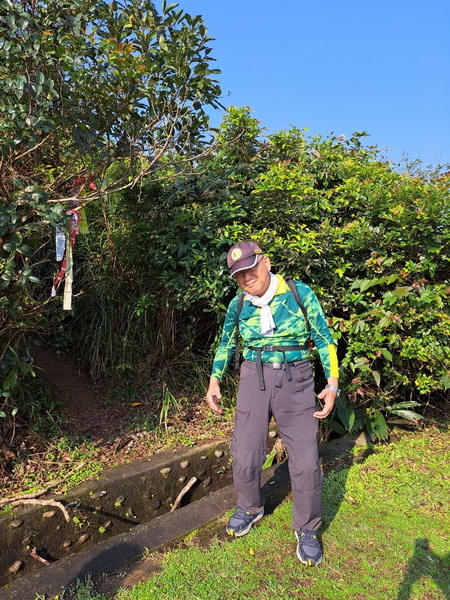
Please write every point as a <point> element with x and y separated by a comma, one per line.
<point>267,322</point>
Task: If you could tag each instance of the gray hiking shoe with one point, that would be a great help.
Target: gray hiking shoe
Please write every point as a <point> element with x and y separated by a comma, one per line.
<point>309,551</point>
<point>242,521</point>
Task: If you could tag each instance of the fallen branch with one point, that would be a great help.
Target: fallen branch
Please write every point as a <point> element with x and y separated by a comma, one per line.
<point>43,491</point>
<point>186,488</point>
<point>44,503</point>
<point>34,554</point>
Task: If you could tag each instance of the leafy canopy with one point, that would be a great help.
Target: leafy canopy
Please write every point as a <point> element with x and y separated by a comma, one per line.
<point>89,84</point>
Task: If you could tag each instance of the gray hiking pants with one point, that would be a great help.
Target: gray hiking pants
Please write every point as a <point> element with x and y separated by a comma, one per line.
<point>292,405</point>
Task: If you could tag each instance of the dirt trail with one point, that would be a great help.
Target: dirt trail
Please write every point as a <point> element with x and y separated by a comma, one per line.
<point>81,403</point>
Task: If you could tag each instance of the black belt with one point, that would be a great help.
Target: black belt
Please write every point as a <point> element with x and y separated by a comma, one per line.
<point>259,368</point>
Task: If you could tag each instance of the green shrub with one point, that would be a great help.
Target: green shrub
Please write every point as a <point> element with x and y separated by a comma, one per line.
<point>371,239</point>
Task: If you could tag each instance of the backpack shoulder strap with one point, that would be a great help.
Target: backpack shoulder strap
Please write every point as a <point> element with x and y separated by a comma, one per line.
<point>236,332</point>
<point>291,284</point>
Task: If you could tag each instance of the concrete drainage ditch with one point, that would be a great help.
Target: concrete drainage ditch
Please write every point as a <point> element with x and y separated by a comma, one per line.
<point>115,502</point>
<point>125,512</point>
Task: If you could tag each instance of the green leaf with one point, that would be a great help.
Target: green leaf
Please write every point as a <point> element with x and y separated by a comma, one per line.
<point>401,292</point>
<point>346,413</point>
<point>356,284</point>
<point>10,380</point>
<point>445,380</point>
<point>391,278</point>
<point>368,283</point>
<point>407,414</point>
<point>387,355</point>
<point>406,404</point>
<point>269,460</point>
<point>370,429</point>
<point>335,426</point>
<point>23,23</point>
<point>16,238</point>
<point>163,44</point>
<point>379,427</point>
<point>385,322</point>
<point>377,377</point>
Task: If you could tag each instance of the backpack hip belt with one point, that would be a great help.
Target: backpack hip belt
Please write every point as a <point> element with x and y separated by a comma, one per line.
<point>259,365</point>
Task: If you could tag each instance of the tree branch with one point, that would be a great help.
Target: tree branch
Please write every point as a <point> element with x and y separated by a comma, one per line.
<point>45,503</point>
<point>52,484</point>
<point>186,488</point>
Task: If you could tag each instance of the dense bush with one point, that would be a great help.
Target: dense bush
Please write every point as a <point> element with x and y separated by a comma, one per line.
<point>370,237</point>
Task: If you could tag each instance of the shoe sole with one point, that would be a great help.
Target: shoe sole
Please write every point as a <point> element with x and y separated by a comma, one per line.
<point>309,562</point>
<point>246,530</point>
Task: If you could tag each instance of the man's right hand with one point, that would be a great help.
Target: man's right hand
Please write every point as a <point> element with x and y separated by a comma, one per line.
<point>213,395</point>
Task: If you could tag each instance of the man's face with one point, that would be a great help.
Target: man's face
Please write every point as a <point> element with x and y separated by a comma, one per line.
<point>256,280</point>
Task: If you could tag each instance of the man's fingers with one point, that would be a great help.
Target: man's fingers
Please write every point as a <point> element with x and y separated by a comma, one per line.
<point>213,402</point>
<point>213,395</point>
<point>326,409</point>
<point>321,414</point>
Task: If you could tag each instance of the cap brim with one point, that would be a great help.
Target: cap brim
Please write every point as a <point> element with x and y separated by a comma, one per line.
<point>245,263</point>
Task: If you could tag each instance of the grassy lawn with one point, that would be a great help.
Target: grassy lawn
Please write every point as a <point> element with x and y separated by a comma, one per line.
<point>386,536</point>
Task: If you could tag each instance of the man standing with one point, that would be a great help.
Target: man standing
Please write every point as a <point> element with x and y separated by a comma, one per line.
<point>275,379</point>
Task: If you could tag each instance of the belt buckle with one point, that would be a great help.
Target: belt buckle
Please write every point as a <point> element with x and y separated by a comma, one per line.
<point>268,349</point>
<point>277,365</point>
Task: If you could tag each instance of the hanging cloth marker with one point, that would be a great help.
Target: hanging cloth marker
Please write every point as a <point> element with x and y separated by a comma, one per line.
<point>62,269</point>
<point>60,243</point>
<point>77,223</point>
<point>67,298</point>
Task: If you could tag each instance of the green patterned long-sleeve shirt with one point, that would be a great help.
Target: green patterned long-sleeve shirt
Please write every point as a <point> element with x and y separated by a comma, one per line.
<point>290,330</point>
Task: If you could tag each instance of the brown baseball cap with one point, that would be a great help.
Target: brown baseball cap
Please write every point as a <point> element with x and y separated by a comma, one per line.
<point>243,255</point>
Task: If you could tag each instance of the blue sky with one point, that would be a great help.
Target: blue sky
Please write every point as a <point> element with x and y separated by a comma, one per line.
<point>339,66</point>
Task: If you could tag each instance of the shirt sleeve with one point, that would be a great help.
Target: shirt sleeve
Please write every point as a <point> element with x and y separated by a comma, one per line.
<point>227,345</point>
<point>320,332</point>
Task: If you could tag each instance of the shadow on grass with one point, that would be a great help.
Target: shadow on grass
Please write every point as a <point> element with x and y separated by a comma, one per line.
<point>111,558</point>
<point>426,563</point>
<point>336,458</point>
<point>335,470</point>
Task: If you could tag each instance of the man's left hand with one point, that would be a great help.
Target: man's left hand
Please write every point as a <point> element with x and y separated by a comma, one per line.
<point>328,396</point>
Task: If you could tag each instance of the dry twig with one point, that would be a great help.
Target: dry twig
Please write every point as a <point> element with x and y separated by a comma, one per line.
<point>186,488</point>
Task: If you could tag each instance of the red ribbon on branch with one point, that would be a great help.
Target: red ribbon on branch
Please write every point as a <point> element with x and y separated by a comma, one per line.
<point>73,226</point>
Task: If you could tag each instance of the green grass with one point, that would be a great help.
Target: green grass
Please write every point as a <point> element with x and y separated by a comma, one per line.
<point>82,590</point>
<point>386,536</point>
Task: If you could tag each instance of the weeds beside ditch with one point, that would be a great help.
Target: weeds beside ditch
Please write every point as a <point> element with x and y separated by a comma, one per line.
<point>386,536</point>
